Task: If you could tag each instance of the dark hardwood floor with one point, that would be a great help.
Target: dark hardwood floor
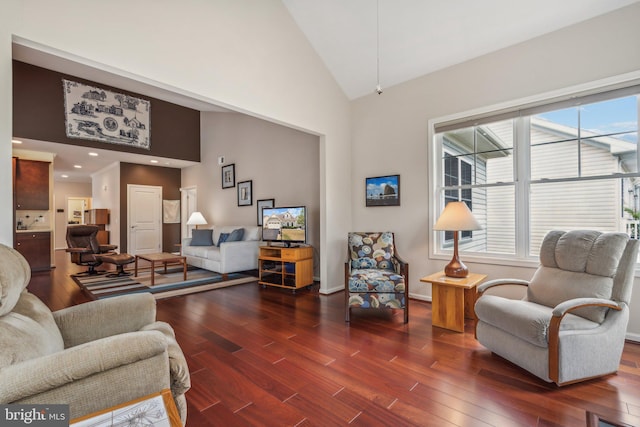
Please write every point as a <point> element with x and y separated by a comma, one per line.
<point>266,357</point>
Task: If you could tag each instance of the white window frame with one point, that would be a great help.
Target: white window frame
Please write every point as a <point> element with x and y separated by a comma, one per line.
<point>521,166</point>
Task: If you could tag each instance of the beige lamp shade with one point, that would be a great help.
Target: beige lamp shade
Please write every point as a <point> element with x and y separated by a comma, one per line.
<point>456,216</point>
<point>196,219</point>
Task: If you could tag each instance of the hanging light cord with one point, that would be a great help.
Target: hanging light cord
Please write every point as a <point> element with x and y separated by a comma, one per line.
<point>378,87</point>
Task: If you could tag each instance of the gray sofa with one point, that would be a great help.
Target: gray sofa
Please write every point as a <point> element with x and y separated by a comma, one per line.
<point>227,257</point>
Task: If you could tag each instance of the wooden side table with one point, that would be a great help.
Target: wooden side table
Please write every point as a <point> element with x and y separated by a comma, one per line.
<point>452,299</point>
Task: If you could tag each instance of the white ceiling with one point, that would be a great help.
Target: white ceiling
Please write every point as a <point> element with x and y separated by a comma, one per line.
<point>68,156</point>
<point>416,37</point>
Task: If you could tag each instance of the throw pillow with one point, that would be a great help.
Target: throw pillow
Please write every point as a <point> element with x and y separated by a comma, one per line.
<point>202,237</point>
<point>236,235</point>
<point>223,238</point>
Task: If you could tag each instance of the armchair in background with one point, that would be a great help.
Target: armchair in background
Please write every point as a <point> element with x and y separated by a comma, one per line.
<point>83,245</point>
<point>375,275</point>
<point>91,356</point>
<point>571,324</point>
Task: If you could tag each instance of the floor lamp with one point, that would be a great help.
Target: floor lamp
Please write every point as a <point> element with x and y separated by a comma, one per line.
<point>456,217</point>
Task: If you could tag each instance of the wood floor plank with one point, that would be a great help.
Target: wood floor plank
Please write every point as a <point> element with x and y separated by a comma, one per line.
<point>323,409</point>
<point>218,415</point>
<point>233,389</point>
<point>465,408</point>
<point>260,375</point>
<point>254,414</point>
<point>201,395</point>
<point>266,357</point>
<point>397,412</point>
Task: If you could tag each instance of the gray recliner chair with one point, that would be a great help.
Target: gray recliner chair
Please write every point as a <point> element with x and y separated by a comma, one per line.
<point>91,356</point>
<point>571,324</point>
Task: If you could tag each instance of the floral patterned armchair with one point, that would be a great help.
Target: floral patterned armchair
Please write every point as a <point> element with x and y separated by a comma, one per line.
<point>374,275</point>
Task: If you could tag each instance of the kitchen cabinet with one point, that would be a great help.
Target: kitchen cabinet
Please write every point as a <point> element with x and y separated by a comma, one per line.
<point>31,185</point>
<point>99,217</point>
<point>35,246</point>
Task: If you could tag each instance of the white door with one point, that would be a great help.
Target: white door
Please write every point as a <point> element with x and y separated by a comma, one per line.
<point>144,219</point>
<point>188,203</point>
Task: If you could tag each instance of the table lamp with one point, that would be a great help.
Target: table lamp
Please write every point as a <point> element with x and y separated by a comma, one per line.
<point>196,219</point>
<point>456,217</point>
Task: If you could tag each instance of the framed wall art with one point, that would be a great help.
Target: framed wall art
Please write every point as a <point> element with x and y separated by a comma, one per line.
<point>264,203</point>
<point>101,115</point>
<point>229,176</point>
<point>245,196</point>
<point>383,190</point>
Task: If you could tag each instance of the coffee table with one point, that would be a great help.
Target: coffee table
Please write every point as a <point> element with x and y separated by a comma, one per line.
<point>164,258</point>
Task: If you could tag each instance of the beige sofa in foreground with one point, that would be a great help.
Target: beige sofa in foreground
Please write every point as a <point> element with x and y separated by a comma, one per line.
<point>90,356</point>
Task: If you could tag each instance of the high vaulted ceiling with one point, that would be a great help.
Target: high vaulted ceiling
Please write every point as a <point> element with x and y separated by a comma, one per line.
<point>417,37</point>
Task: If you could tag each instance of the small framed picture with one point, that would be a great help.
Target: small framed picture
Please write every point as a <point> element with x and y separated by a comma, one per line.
<point>245,196</point>
<point>383,191</point>
<point>264,203</point>
<point>229,176</point>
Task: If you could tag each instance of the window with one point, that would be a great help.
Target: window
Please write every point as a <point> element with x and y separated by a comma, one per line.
<point>457,175</point>
<point>571,164</point>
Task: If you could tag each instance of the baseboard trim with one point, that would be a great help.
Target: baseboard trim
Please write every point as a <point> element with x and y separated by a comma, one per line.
<point>633,337</point>
<point>332,290</point>
<point>424,298</point>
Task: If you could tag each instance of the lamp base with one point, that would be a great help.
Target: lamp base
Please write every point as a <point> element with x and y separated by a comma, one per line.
<point>456,269</point>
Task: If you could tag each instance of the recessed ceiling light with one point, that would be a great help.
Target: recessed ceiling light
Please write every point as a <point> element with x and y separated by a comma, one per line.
<point>93,154</point>
<point>64,176</point>
<point>15,141</point>
<point>77,166</point>
<point>153,161</point>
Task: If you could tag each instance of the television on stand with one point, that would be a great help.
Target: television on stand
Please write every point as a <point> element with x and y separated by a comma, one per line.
<point>286,225</point>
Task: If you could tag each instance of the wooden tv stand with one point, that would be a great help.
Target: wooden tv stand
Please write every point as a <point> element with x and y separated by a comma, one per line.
<point>290,268</point>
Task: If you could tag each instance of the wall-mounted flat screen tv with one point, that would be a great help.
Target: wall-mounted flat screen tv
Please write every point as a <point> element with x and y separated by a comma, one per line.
<point>287,225</point>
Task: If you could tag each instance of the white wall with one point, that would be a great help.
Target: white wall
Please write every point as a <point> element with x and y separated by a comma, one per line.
<point>6,117</point>
<point>248,55</point>
<point>106,192</point>
<point>282,163</point>
<point>397,123</point>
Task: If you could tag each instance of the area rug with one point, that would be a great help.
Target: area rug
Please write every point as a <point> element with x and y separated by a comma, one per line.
<point>165,285</point>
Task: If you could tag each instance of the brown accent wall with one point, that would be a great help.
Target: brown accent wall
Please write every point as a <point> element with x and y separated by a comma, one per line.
<point>38,113</point>
<point>167,178</point>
